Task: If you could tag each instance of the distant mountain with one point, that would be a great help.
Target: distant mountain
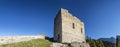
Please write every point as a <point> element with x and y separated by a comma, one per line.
<point>112,39</point>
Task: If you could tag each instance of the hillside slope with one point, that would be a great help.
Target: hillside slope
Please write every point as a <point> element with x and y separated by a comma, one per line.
<point>31,43</point>
<point>112,39</point>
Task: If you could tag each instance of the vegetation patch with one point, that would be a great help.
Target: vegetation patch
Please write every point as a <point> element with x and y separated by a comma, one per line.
<point>31,43</point>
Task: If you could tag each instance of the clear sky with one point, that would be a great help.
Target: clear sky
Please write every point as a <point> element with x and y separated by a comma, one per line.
<point>34,17</point>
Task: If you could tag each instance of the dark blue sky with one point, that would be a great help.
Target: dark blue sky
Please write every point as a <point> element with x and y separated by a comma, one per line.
<point>33,17</point>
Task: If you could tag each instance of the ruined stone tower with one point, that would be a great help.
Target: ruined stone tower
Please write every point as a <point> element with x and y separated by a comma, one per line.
<point>118,41</point>
<point>68,28</point>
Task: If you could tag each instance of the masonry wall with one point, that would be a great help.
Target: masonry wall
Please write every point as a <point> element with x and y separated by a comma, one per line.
<point>58,28</point>
<point>72,28</point>
<point>14,39</point>
<point>68,28</point>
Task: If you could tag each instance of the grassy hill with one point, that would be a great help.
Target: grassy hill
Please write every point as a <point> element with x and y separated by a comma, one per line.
<point>31,43</point>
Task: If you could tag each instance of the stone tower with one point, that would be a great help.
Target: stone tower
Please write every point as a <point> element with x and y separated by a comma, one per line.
<point>68,28</point>
<point>118,41</point>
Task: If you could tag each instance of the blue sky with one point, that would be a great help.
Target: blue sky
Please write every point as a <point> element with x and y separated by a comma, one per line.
<point>34,17</point>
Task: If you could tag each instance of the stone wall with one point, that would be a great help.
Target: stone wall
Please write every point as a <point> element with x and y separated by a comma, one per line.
<point>70,45</point>
<point>57,28</point>
<point>68,31</point>
<point>68,28</point>
<point>14,39</point>
<point>72,28</point>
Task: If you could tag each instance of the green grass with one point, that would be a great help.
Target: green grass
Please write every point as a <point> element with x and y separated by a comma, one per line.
<point>31,43</point>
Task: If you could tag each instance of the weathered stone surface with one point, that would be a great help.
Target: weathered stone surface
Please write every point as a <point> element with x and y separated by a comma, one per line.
<point>118,41</point>
<point>70,45</point>
<point>80,44</point>
<point>14,39</point>
<point>67,30</point>
<point>56,45</point>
